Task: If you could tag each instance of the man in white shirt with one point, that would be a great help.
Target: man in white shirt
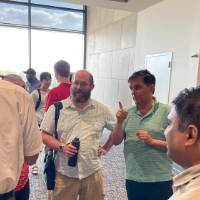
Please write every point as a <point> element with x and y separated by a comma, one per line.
<point>20,139</point>
<point>183,143</point>
<point>84,118</point>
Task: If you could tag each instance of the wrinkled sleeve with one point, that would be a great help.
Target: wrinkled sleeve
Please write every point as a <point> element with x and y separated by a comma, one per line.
<point>32,137</point>
<point>48,122</point>
<point>34,96</point>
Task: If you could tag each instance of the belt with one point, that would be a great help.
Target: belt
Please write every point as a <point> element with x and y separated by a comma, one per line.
<point>6,196</point>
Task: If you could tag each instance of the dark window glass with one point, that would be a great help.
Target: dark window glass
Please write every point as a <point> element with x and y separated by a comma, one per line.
<point>26,1</point>
<point>13,13</point>
<point>58,4</point>
<point>54,18</point>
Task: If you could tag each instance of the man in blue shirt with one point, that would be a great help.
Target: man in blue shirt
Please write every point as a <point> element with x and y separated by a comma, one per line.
<point>32,82</point>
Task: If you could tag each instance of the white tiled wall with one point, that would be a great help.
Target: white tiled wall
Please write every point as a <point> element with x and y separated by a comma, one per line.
<point>110,54</point>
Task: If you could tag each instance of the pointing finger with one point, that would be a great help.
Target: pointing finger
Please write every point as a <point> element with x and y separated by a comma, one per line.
<point>120,105</point>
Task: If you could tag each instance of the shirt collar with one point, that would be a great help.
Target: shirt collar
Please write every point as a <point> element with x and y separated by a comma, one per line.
<point>187,175</point>
<point>69,104</point>
<point>152,110</point>
<point>63,83</point>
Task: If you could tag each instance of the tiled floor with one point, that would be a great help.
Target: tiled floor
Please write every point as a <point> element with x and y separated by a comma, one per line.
<point>113,169</point>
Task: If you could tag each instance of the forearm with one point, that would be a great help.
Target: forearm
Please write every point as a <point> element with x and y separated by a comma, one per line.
<point>158,144</point>
<point>117,134</point>
<point>50,141</point>
<point>108,144</point>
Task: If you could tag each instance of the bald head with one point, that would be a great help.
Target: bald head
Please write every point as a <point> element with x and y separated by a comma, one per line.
<point>13,78</point>
<point>86,74</point>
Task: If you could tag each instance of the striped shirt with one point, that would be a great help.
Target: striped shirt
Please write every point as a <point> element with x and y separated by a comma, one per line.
<point>143,162</point>
<point>86,124</point>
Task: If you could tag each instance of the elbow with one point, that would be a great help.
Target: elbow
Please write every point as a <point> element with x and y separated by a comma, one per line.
<point>116,141</point>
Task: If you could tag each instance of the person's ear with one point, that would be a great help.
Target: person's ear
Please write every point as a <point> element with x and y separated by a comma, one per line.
<point>192,135</point>
<point>152,86</point>
<point>92,87</point>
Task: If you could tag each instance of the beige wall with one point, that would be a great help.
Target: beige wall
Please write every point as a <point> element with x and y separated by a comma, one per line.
<point>119,41</point>
<point>110,53</point>
<point>172,25</point>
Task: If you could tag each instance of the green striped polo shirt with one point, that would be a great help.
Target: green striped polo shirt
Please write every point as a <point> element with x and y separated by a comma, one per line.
<point>143,162</point>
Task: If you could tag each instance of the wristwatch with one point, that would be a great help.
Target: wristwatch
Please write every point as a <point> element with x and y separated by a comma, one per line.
<point>61,148</point>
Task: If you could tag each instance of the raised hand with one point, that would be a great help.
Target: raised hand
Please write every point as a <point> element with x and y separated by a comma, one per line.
<point>121,114</point>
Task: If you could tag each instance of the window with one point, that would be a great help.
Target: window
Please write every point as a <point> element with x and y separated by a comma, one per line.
<point>13,14</point>
<point>49,47</point>
<point>38,33</point>
<point>26,1</point>
<point>58,4</point>
<point>55,18</point>
<point>13,50</point>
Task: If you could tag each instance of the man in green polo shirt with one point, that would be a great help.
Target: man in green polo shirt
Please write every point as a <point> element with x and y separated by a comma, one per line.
<point>148,169</point>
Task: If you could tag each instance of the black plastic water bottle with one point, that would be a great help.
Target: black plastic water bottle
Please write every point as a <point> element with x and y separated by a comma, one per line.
<point>72,161</point>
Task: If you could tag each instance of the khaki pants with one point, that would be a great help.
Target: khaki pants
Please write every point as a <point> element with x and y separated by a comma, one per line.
<point>90,188</point>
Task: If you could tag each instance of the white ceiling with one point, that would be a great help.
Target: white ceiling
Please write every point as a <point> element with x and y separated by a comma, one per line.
<point>131,5</point>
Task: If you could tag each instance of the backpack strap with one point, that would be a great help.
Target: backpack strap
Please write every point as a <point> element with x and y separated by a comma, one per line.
<point>58,106</point>
<point>39,100</point>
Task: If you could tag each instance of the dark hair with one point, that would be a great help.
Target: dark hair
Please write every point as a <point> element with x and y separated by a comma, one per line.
<point>62,68</point>
<point>187,106</point>
<point>45,75</point>
<point>146,76</point>
<point>71,76</point>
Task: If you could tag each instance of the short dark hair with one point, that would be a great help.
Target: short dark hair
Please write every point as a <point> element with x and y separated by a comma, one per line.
<point>146,76</point>
<point>62,68</point>
<point>45,75</point>
<point>187,106</point>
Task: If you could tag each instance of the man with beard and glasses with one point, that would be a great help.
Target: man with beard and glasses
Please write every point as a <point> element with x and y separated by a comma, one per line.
<point>84,118</point>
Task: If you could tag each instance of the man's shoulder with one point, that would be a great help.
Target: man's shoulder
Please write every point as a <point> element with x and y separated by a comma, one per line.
<point>164,106</point>
<point>6,85</point>
<point>53,89</point>
<point>14,91</point>
<point>100,106</point>
<point>98,103</point>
